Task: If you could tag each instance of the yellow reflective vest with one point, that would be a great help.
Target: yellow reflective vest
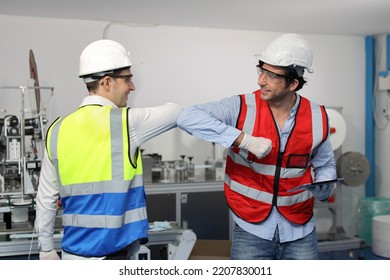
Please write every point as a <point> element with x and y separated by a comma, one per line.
<point>101,189</point>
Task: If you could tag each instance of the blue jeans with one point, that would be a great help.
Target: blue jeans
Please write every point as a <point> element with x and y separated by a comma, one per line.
<point>246,246</point>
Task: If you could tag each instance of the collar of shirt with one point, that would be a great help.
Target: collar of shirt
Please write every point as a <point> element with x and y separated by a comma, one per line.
<point>98,100</point>
<point>294,109</point>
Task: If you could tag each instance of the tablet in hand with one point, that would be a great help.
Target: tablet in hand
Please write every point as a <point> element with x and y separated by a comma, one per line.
<point>315,184</point>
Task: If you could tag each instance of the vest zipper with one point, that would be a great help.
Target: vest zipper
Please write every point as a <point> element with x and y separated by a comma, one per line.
<point>276,180</point>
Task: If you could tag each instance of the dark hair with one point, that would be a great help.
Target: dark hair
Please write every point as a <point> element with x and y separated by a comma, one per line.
<point>93,86</point>
<point>292,75</point>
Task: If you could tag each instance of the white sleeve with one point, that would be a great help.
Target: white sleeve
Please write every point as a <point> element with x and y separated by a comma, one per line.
<point>46,201</point>
<point>149,122</point>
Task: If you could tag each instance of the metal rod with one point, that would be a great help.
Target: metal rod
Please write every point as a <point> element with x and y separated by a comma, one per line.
<point>22,145</point>
<point>26,87</point>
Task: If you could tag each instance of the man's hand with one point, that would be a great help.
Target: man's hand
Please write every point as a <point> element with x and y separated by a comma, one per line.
<point>258,146</point>
<point>322,192</point>
<point>48,256</point>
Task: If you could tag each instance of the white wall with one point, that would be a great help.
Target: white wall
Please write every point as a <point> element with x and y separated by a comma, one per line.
<point>186,66</point>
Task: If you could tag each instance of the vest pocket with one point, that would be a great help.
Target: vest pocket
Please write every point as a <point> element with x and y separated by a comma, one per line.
<point>297,160</point>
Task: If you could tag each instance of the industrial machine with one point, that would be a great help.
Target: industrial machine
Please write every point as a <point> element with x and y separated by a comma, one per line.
<point>354,168</point>
<point>21,153</point>
<point>178,243</point>
<point>157,170</point>
<point>181,184</point>
<point>12,154</point>
<point>21,148</point>
<point>22,140</point>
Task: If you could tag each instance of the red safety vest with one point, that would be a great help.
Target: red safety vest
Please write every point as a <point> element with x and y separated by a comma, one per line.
<point>253,186</point>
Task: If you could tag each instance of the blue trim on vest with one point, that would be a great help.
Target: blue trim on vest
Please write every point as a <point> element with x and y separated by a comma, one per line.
<point>117,223</point>
<point>111,241</point>
<point>97,204</point>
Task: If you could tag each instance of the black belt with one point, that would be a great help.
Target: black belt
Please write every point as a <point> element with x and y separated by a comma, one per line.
<point>120,255</point>
<point>125,253</point>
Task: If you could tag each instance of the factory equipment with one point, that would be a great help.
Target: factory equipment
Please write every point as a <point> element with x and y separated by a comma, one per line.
<point>179,242</point>
<point>351,166</point>
<point>21,153</point>
<point>157,170</point>
<point>354,168</point>
<point>170,171</point>
<point>22,144</point>
<point>12,153</point>
<point>22,133</point>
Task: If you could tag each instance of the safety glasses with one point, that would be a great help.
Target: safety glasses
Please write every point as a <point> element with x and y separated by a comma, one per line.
<point>126,78</point>
<point>270,76</point>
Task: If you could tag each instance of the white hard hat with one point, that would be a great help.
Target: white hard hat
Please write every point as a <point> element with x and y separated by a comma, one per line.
<point>103,56</point>
<point>288,50</point>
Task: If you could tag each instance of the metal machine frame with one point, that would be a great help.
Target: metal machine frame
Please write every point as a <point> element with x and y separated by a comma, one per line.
<point>336,239</point>
<point>21,162</point>
<point>25,243</point>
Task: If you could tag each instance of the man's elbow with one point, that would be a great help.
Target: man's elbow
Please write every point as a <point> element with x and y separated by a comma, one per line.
<point>181,119</point>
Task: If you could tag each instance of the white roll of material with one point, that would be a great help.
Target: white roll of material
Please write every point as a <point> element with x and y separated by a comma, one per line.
<point>380,235</point>
<point>20,210</point>
<point>338,128</point>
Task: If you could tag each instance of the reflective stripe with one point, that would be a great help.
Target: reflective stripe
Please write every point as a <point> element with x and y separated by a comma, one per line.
<point>317,124</point>
<point>103,221</point>
<point>119,186</point>
<point>116,144</point>
<point>241,159</point>
<point>249,192</point>
<point>104,228</point>
<point>249,123</point>
<point>292,172</point>
<point>53,148</point>
<point>264,196</point>
<point>269,179</point>
<point>317,121</point>
<point>265,169</point>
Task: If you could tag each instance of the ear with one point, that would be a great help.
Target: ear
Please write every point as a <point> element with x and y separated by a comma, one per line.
<point>294,84</point>
<point>105,82</point>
